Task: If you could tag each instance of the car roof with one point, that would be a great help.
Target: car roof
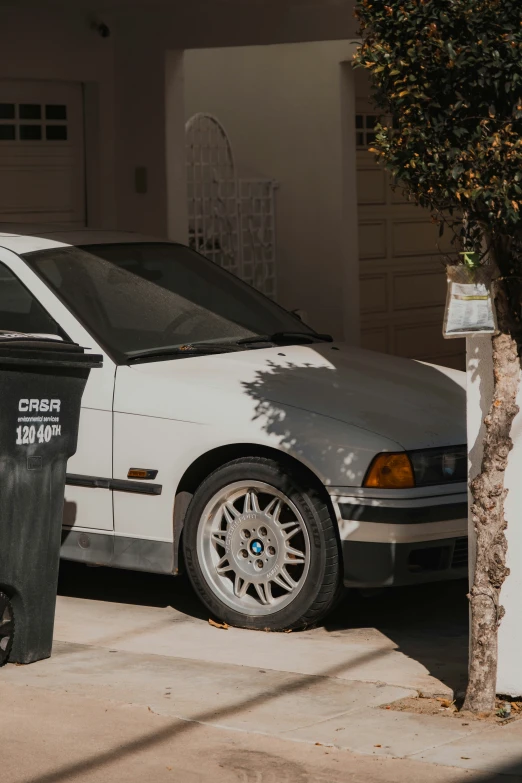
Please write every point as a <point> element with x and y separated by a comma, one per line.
<point>26,239</point>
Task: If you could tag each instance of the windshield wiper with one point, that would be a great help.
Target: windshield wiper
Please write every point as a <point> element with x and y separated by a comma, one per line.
<point>202,349</point>
<point>284,337</point>
<point>198,349</point>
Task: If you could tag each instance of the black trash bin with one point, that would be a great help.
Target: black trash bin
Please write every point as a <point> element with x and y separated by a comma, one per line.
<point>41,386</point>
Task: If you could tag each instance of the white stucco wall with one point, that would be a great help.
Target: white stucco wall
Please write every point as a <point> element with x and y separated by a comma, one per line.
<point>480,390</point>
<point>149,120</point>
<point>288,110</point>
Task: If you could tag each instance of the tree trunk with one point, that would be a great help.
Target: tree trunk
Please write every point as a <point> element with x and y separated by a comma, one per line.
<point>487,511</point>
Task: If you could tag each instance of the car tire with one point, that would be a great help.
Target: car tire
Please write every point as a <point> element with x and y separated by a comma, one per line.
<point>7,628</point>
<point>261,547</point>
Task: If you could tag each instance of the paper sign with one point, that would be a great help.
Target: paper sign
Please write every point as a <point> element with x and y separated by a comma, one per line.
<point>469,310</point>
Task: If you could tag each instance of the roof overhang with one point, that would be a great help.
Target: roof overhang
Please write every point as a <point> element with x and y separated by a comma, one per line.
<point>188,24</point>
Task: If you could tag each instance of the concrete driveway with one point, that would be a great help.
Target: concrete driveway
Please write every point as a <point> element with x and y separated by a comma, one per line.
<point>409,637</point>
<point>141,685</point>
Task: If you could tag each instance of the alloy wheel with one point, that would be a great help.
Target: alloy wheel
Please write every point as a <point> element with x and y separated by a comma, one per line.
<point>253,548</point>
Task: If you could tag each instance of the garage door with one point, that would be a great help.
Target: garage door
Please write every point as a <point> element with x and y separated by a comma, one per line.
<point>403,285</point>
<point>41,153</point>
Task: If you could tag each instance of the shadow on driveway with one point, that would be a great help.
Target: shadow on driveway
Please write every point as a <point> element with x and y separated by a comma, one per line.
<point>129,587</point>
<point>428,623</point>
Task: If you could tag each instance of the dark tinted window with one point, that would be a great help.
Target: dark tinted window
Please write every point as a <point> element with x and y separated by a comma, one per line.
<point>19,310</point>
<point>139,296</point>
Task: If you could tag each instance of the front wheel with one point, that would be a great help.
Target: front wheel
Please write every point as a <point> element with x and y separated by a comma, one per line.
<point>6,628</point>
<point>261,548</point>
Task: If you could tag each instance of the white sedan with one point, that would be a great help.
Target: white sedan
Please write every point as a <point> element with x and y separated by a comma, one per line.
<point>226,437</point>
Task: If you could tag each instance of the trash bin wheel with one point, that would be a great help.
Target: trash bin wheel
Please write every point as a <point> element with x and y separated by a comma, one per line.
<point>7,624</point>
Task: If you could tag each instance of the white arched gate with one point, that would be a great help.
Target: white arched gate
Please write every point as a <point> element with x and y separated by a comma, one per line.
<point>231,220</point>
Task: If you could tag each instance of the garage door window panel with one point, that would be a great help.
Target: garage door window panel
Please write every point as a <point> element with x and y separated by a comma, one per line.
<point>7,111</point>
<point>30,132</point>
<point>33,122</point>
<point>30,111</point>
<point>365,129</point>
<point>55,112</point>
<point>7,132</point>
<point>56,133</point>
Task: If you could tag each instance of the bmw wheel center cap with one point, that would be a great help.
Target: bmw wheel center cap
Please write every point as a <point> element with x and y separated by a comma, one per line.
<point>256,547</point>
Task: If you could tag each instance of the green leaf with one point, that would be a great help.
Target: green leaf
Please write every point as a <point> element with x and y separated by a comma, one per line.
<point>457,170</point>
<point>453,79</point>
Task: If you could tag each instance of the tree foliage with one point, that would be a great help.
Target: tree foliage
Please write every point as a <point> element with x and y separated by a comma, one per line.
<point>449,74</point>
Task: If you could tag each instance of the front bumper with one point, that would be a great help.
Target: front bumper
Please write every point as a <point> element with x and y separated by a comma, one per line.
<point>410,537</point>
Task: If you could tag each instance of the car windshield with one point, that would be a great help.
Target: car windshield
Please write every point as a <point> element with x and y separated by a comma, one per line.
<point>136,297</point>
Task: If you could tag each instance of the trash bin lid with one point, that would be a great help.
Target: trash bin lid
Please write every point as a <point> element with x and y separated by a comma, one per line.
<point>44,349</point>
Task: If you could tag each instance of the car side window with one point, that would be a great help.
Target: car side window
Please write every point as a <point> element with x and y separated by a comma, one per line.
<point>20,311</point>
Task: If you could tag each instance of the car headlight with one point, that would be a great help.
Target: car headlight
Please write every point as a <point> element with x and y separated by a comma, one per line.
<point>423,468</point>
<point>438,466</point>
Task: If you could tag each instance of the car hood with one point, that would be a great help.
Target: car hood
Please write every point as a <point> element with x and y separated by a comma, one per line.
<point>414,404</point>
